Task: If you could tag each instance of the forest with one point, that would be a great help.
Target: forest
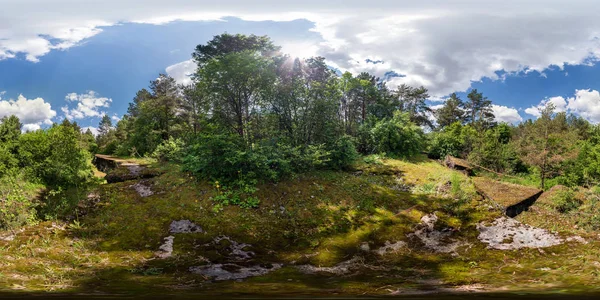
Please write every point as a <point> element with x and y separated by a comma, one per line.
<point>256,115</point>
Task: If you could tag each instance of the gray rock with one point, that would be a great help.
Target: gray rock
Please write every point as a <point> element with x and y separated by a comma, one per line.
<point>507,234</point>
<point>222,272</point>
<point>184,226</point>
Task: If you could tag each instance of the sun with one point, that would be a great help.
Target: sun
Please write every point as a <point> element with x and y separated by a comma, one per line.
<point>299,49</point>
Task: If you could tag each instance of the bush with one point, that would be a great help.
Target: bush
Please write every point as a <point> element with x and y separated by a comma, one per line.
<point>565,201</point>
<point>169,150</point>
<point>15,208</point>
<point>8,161</point>
<point>398,136</point>
<point>456,140</point>
<point>343,153</point>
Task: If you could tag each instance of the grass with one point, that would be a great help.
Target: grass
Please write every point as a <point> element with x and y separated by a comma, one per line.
<point>505,194</point>
<point>320,218</point>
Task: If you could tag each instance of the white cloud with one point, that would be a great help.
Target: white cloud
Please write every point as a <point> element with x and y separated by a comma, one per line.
<point>443,45</point>
<point>506,114</point>
<point>87,105</point>
<point>182,71</point>
<point>560,105</point>
<point>436,107</point>
<point>32,112</point>
<point>94,130</point>
<point>586,103</point>
<point>30,127</point>
<point>115,118</point>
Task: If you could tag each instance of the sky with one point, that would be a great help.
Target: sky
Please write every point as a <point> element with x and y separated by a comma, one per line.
<point>81,59</point>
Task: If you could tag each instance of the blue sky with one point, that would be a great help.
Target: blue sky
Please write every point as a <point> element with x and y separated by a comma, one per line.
<point>75,62</point>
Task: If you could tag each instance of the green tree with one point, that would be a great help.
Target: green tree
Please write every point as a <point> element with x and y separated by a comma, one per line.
<point>398,136</point>
<point>451,112</point>
<point>224,44</point>
<point>545,144</point>
<point>479,110</point>
<point>238,83</point>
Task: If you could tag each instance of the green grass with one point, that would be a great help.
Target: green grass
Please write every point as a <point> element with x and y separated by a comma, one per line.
<point>319,218</point>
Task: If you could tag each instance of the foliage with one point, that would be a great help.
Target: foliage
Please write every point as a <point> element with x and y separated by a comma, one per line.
<point>169,150</point>
<point>398,136</point>
<point>565,201</point>
<point>16,209</point>
<point>493,151</point>
<point>451,112</point>
<point>546,143</point>
<point>456,140</point>
<point>343,153</point>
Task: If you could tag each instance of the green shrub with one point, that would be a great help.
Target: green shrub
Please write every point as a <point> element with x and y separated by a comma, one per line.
<point>343,153</point>
<point>16,209</point>
<point>169,150</point>
<point>565,201</point>
<point>398,136</point>
<point>8,161</point>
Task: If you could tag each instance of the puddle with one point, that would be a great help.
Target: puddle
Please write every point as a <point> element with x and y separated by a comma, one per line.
<point>507,234</point>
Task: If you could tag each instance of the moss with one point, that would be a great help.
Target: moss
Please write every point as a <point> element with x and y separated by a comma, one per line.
<point>330,214</point>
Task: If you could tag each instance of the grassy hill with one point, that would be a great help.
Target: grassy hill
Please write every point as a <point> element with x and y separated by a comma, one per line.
<point>385,227</point>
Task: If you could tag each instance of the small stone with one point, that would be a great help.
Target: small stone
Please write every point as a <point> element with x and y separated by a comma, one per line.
<point>365,247</point>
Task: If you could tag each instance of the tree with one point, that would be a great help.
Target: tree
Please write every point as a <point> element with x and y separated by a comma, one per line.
<point>451,112</point>
<point>545,144</point>
<point>238,83</point>
<point>398,136</point>
<point>479,110</point>
<point>412,100</point>
<point>224,44</point>
<point>105,126</point>
<point>10,129</point>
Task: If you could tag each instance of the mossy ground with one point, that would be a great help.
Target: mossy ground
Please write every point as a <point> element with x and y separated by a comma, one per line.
<point>320,218</point>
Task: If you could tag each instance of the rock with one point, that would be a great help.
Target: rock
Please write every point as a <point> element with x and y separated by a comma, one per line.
<point>507,234</point>
<point>389,247</point>
<point>365,247</point>
<point>184,226</point>
<point>143,190</point>
<point>166,249</point>
<point>222,272</point>
<point>232,249</point>
<point>339,269</point>
<point>438,241</point>
<point>577,238</point>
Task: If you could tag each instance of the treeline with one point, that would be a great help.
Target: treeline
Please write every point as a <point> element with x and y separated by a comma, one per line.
<point>556,148</point>
<point>253,113</point>
<point>256,113</point>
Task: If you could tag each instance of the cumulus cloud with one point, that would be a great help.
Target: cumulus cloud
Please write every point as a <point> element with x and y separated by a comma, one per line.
<point>560,105</point>
<point>182,71</point>
<point>442,45</point>
<point>506,114</point>
<point>586,103</point>
<point>86,105</point>
<point>32,112</point>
